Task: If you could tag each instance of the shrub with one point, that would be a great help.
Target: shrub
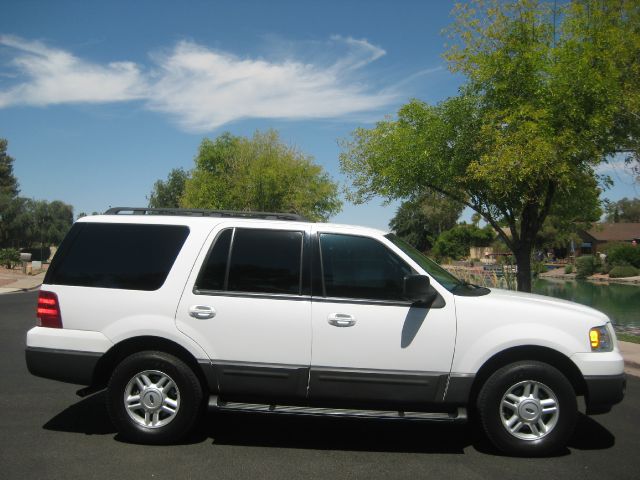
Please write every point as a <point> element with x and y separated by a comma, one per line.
<point>623,254</point>
<point>537,268</point>
<point>586,265</point>
<point>568,268</point>
<point>9,257</point>
<point>623,271</point>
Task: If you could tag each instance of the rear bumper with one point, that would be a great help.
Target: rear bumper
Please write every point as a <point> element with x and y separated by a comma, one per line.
<point>69,366</point>
<point>604,391</point>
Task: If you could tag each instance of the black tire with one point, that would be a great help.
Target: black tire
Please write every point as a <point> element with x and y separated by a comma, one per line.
<point>184,397</point>
<point>528,437</point>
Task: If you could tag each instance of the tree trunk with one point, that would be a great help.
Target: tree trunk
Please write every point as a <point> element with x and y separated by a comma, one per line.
<point>523,262</point>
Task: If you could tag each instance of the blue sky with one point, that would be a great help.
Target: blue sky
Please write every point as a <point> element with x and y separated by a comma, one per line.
<point>100,99</point>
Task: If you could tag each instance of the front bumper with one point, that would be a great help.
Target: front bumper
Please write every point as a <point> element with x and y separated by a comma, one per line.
<point>604,391</point>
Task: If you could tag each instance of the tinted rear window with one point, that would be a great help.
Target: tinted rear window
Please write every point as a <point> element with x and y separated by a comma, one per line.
<point>265,261</point>
<point>213,272</point>
<point>124,256</point>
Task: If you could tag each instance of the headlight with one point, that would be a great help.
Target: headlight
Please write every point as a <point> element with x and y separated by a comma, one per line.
<point>600,339</point>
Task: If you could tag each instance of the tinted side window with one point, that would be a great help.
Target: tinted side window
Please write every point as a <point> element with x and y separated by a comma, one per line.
<point>112,255</point>
<point>361,267</point>
<point>213,272</point>
<point>265,261</point>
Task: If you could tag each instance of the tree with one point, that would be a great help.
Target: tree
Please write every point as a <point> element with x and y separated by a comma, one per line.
<point>53,221</point>
<point>541,107</point>
<point>167,194</point>
<point>455,243</point>
<point>42,223</point>
<point>8,182</point>
<point>9,204</point>
<point>25,222</point>
<point>421,219</point>
<point>259,173</point>
<point>623,211</point>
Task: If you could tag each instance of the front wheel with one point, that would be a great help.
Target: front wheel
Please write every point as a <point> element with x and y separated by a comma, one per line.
<point>153,397</point>
<point>528,408</point>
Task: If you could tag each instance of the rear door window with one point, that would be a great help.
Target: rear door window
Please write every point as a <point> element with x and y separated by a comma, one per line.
<point>254,261</point>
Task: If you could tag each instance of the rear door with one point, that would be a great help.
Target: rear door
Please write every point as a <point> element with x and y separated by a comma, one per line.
<point>370,345</point>
<point>248,305</point>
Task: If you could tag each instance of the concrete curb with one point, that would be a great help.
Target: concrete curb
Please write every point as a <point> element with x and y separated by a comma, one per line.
<point>4,290</point>
<point>631,364</point>
<point>631,353</point>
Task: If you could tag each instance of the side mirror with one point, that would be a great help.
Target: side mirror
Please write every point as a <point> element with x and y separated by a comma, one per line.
<point>418,289</point>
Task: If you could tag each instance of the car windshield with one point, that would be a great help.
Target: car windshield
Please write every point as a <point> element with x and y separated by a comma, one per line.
<point>442,276</point>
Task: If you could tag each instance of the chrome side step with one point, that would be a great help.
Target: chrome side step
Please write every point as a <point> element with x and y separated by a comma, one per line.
<point>215,403</point>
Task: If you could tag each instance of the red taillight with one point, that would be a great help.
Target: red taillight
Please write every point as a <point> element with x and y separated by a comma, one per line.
<point>49,310</point>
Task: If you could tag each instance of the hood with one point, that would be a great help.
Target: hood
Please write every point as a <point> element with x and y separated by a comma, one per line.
<point>543,301</point>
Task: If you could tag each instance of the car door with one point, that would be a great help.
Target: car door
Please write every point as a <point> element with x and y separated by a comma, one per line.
<point>250,310</point>
<point>370,345</point>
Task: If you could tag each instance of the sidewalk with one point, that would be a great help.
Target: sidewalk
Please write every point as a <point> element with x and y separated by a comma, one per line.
<point>13,283</point>
<point>631,353</point>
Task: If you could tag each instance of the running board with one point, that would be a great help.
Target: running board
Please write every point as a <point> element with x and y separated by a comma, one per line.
<point>216,404</point>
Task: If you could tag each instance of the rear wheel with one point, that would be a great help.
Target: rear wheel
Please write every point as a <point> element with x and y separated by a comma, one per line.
<point>528,408</point>
<point>154,397</point>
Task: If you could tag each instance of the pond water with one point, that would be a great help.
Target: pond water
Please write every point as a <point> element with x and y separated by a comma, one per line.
<point>620,302</point>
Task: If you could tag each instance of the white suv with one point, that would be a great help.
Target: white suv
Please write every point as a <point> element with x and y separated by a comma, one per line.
<point>173,310</point>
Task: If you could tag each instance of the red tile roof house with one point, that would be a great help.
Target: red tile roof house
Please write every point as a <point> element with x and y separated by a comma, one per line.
<point>603,233</point>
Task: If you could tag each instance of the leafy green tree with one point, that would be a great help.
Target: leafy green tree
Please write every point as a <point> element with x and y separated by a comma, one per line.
<point>541,107</point>
<point>261,174</point>
<point>16,223</point>
<point>8,182</point>
<point>420,220</point>
<point>167,194</point>
<point>455,243</point>
<point>38,222</point>
<point>25,222</point>
<point>10,205</point>
<point>625,210</point>
<point>53,220</point>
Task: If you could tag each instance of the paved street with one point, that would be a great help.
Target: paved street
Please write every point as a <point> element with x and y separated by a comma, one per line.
<point>46,431</point>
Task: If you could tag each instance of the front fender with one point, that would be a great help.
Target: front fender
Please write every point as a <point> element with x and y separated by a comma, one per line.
<point>471,353</point>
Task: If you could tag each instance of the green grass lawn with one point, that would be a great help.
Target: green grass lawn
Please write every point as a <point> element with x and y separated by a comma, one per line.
<point>625,337</point>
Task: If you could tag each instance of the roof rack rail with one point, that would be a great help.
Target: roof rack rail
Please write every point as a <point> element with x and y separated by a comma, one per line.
<point>192,212</point>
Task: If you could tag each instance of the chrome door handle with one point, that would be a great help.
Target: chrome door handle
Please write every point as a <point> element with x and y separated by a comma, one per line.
<point>201,312</point>
<point>341,320</point>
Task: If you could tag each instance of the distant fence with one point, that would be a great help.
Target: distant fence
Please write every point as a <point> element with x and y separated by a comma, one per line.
<point>500,276</point>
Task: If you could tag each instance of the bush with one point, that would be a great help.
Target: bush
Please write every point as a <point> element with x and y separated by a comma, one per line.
<point>9,257</point>
<point>586,266</point>
<point>568,268</point>
<point>623,254</point>
<point>623,271</point>
<point>537,268</point>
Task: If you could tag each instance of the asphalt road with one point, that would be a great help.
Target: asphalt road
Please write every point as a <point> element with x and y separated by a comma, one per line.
<point>46,431</point>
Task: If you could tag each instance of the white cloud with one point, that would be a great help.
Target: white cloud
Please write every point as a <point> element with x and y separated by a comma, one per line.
<point>53,76</point>
<point>207,88</point>
<point>200,87</point>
